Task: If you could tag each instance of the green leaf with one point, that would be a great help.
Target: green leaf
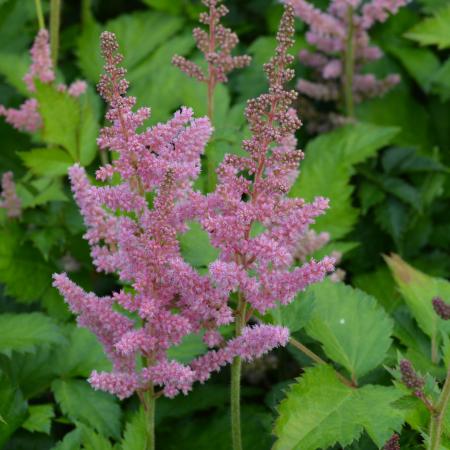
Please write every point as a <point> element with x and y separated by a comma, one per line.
<point>69,122</point>
<point>22,269</point>
<point>434,30</point>
<point>13,409</point>
<point>196,248</point>
<point>191,346</point>
<point>47,161</point>
<point>129,29</point>
<point>393,217</point>
<point>13,67</point>
<point>60,114</point>
<point>170,6</point>
<point>295,315</point>
<point>40,418</point>
<point>71,441</point>
<point>398,108</point>
<point>135,436</point>
<point>92,440</point>
<point>328,167</point>
<point>319,412</point>
<point>80,402</point>
<point>441,81</point>
<point>354,331</point>
<point>23,332</point>
<point>379,284</point>
<point>420,63</point>
<point>80,355</point>
<point>418,289</point>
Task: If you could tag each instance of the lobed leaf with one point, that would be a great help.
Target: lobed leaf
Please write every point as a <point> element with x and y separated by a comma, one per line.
<point>319,412</point>
<point>352,328</point>
<point>80,402</point>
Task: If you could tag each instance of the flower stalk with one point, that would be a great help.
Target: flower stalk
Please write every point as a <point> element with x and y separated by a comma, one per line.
<point>55,18</point>
<point>39,14</point>
<point>349,65</point>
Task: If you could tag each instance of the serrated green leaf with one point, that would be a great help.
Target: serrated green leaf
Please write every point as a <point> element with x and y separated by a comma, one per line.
<point>71,441</point>
<point>129,29</point>
<point>135,436</point>
<point>434,30</point>
<point>60,114</point>
<point>441,81</point>
<point>319,412</point>
<point>421,63</point>
<point>80,402</point>
<point>13,409</point>
<point>369,195</point>
<point>39,419</point>
<point>23,332</point>
<point>393,217</point>
<point>380,285</point>
<point>191,346</point>
<point>328,167</point>
<point>81,355</point>
<point>353,330</point>
<point>13,67</point>
<point>418,290</point>
<point>47,161</point>
<point>22,269</point>
<point>196,247</point>
<point>92,440</point>
<point>398,108</point>
<point>295,315</point>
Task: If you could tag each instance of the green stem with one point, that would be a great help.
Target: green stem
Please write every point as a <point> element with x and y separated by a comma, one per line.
<point>437,419</point>
<point>349,66</point>
<point>236,381</point>
<point>434,349</point>
<point>55,17</point>
<point>211,174</point>
<point>149,407</point>
<point>39,14</point>
<point>86,13</point>
<point>310,354</point>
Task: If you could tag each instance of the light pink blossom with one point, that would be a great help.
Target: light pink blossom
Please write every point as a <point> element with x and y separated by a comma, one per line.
<point>9,199</point>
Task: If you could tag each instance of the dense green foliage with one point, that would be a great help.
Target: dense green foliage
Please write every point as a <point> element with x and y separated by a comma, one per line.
<point>388,182</point>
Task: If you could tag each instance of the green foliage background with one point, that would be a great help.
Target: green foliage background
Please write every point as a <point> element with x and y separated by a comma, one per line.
<point>389,190</point>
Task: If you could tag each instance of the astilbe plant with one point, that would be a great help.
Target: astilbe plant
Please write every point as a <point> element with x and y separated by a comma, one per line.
<point>216,43</point>
<point>133,227</point>
<point>27,117</point>
<point>340,37</point>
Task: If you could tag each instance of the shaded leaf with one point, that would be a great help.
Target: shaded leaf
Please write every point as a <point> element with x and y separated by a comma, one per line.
<point>23,332</point>
<point>328,167</point>
<point>40,418</point>
<point>80,402</point>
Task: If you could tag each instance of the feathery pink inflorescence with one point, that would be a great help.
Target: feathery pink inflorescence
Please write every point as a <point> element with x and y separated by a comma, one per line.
<point>9,200</point>
<point>27,117</point>
<point>328,33</point>
<point>216,44</point>
<point>41,62</point>
<point>139,242</point>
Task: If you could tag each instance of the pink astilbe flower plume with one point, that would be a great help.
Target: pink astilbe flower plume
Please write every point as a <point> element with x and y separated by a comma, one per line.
<point>167,299</point>
<point>9,200</point>
<point>27,117</point>
<point>333,32</point>
<point>216,44</point>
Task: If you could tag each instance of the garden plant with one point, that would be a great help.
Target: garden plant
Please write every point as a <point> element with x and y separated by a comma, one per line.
<point>224,224</point>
